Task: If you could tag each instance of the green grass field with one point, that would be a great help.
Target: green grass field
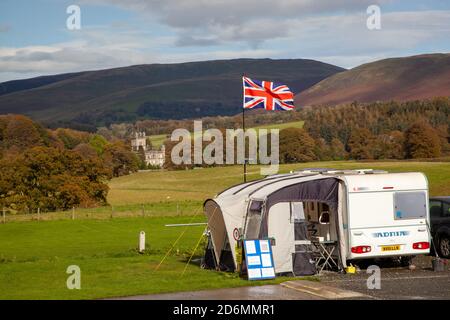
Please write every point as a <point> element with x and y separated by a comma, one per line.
<point>281,126</point>
<point>158,139</point>
<point>199,184</point>
<point>34,255</point>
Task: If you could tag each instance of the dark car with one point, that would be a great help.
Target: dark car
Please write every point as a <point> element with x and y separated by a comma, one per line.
<point>440,225</point>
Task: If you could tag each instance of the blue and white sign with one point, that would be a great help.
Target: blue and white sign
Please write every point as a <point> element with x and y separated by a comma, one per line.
<point>258,255</point>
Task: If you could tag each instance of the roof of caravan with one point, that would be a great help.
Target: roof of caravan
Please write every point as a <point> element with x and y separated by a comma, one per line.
<point>376,181</point>
<point>385,182</point>
<point>249,187</point>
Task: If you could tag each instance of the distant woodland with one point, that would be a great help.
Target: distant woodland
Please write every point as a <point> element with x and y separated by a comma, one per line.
<point>390,130</point>
<point>387,130</point>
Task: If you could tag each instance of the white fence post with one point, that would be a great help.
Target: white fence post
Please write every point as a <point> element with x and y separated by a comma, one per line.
<point>39,213</point>
<point>4,215</point>
<point>141,242</point>
<point>73,213</point>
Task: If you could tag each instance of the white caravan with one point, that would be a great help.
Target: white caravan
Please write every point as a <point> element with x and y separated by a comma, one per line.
<point>366,213</point>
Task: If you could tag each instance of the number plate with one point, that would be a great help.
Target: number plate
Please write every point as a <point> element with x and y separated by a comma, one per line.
<point>390,248</point>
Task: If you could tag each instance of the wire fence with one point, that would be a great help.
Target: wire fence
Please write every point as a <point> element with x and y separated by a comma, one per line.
<point>101,213</point>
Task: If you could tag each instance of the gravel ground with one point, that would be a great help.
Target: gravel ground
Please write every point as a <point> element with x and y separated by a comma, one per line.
<point>398,282</point>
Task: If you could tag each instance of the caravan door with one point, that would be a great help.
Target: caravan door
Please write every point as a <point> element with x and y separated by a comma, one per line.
<point>281,228</point>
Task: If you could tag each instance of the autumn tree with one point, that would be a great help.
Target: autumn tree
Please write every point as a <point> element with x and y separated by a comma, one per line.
<point>20,132</point>
<point>422,141</point>
<point>296,145</point>
<point>71,138</point>
<point>337,150</point>
<point>359,144</point>
<point>50,178</point>
<point>443,132</point>
<point>389,146</point>
<point>322,150</point>
<point>119,159</point>
<point>56,169</point>
<point>86,151</point>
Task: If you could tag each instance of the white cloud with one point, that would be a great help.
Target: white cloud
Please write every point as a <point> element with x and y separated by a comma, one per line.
<point>201,22</point>
<point>193,30</point>
<point>100,48</point>
<point>347,38</point>
<point>198,13</point>
<point>308,27</point>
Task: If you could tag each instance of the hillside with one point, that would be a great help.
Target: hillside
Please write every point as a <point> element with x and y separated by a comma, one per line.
<point>399,79</point>
<point>20,85</point>
<point>162,91</point>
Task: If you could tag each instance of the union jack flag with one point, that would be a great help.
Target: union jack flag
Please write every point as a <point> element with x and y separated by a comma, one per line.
<point>267,95</point>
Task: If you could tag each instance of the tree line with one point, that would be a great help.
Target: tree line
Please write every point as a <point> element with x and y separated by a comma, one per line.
<point>384,130</point>
<point>56,169</point>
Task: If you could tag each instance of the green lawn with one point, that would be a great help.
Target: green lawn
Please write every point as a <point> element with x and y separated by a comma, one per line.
<point>281,126</point>
<point>157,140</point>
<point>34,255</point>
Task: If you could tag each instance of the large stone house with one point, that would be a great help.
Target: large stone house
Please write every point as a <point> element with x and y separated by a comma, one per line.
<point>153,157</point>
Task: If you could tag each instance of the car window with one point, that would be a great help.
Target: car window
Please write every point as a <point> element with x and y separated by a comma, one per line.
<point>446,210</point>
<point>435,208</point>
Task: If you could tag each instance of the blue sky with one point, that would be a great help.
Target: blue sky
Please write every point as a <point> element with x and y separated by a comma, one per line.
<point>34,39</point>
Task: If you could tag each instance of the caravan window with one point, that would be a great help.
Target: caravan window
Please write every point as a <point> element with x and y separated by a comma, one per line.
<point>254,217</point>
<point>410,205</point>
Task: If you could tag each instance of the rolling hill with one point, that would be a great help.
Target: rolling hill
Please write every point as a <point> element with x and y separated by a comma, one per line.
<point>400,79</point>
<point>20,85</point>
<point>161,91</point>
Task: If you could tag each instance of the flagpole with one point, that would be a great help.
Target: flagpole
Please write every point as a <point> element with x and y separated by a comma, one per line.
<point>245,158</point>
<point>243,128</point>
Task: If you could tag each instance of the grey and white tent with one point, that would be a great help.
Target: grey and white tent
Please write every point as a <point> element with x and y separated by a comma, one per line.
<point>274,208</point>
<point>368,214</point>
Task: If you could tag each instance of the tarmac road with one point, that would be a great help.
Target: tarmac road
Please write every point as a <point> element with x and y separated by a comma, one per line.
<point>269,292</point>
<point>396,283</point>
